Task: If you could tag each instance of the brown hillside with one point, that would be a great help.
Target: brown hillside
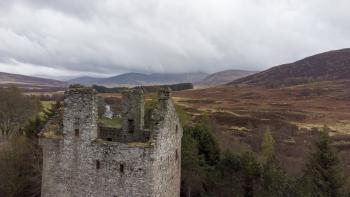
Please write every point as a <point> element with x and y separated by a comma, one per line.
<point>224,77</point>
<point>27,81</point>
<point>328,66</point>
<point>241,114</point>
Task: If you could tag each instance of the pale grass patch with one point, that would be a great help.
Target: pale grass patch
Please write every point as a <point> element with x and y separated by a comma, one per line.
<point>236,128</point>
<point>340,127</point>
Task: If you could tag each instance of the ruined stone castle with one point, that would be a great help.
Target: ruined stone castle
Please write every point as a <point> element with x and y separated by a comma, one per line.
<point>142,157</point>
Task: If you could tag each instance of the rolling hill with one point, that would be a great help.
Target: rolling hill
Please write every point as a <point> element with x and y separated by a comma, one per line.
<point>27,81</point>
<point>224,77</point>
<point>137,79</point>
<point>328,66</point>
<point>85,80</point>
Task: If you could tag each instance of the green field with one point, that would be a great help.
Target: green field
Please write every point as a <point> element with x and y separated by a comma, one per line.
<point>114,122</point>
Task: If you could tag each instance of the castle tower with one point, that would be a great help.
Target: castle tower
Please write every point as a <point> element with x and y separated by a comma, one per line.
<point>83,159</point>
<point>80,114</point>
<point>133,106</point>
<point>164,97</point>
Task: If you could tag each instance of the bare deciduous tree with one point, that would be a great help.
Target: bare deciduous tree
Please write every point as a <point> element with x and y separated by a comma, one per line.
<point>20,166</point>
<point>15,110</point>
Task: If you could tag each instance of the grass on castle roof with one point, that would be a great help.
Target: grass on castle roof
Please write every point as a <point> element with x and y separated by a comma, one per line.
<point>113,123</point>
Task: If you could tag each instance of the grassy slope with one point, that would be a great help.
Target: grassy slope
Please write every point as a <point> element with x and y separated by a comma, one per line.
<point>242,114</point>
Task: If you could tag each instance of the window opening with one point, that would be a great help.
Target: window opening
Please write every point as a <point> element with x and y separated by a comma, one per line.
<point>76,132</point>
<point>98,164</point>
<point>131,125</point>
<point>121,168</point>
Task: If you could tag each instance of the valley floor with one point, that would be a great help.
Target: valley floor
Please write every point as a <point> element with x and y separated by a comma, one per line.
<point>241,114</point>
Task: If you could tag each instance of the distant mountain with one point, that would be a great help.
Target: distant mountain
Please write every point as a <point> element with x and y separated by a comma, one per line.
<point>224,77</point>
<point>328,66</point>
<point>138,79</point>
<point>27,81</point>
<point>85,80</point>
<point>146,89</point>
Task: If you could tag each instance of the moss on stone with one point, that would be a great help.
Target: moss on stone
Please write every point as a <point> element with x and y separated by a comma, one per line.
<point>112,123</point>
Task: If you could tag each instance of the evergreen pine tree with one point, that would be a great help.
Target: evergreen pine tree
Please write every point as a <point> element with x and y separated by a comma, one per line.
<point>323,176</point>
<point>275,183</point>
<point>268,145</point>
<point>250,174</point>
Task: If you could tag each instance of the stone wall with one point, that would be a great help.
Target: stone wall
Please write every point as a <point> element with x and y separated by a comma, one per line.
<point>168,134</point>
<point>102,169</point>
<point>81,164</point>
<point>133,112</point>
<point>110,134</point>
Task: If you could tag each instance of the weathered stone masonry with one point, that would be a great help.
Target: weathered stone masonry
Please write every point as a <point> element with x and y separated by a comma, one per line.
<point>82,160</point>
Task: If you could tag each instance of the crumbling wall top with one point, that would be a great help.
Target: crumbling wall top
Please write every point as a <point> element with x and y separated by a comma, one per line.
<point>79,89</point>
<point>135,92</point>
<point>164,94</point>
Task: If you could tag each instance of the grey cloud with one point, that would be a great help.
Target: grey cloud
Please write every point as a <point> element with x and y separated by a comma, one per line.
<point>114,36</point>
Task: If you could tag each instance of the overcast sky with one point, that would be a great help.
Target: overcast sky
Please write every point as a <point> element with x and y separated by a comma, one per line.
<point>65,38</point>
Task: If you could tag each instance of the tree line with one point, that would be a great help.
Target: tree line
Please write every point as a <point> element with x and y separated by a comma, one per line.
<point>208,171</point>
<point>20,153</point>
<point>146,89</point>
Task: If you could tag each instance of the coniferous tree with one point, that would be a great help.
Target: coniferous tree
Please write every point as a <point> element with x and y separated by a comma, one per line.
<point>250,174</point>
<point>192,174</point>
<point>268,145</point>
<point>323,177</point>
<point>275,182</point>
<point>226,178</point>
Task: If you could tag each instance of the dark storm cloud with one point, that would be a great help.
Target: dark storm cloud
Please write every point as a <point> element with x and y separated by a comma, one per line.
<point>85,37</point>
